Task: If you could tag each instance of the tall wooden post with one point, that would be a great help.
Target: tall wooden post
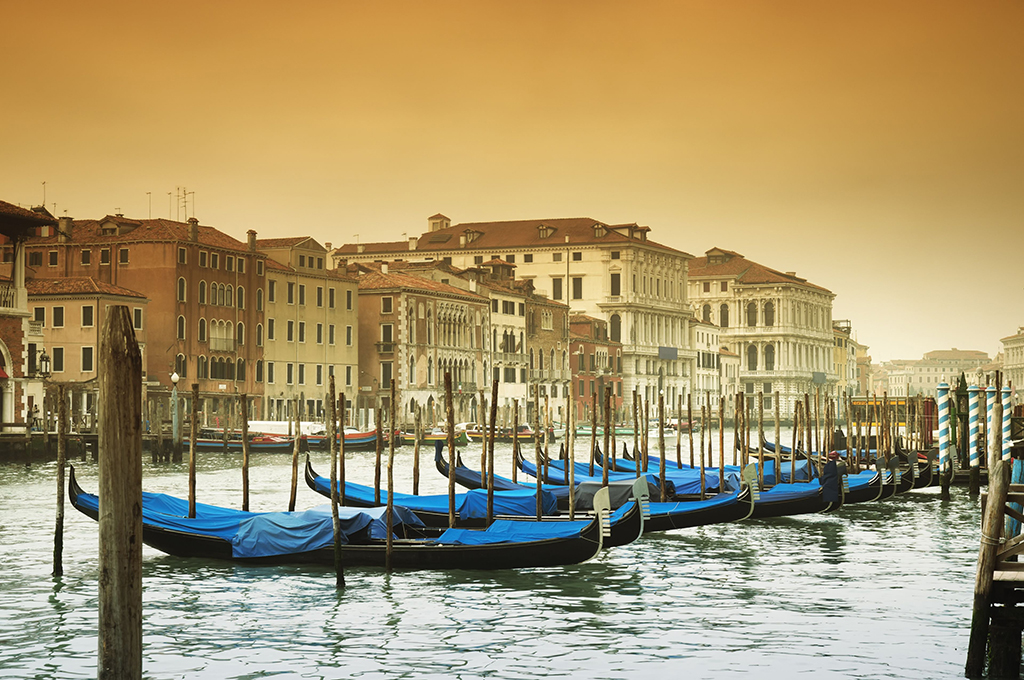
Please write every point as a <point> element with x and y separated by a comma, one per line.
<point>193,436</point>
<point>295,457</point>
<point>120,492</point>
<point>450,420</point>
<point>389,519</point>
<point>796,439</point>
<point>721,443</point>
<point>342,408</point>
<point>417,433</point>
<point>571,459</point>
<point>332,428</point>
<point>62,443</point>
<point>378,451</point>
<point>703,425</point>
<point>689,430</point>
<point>607,433</point>
<point>244,414</point>
<point>636,435</point>
<point>489,445</point>
<point>778,439</point>
<point>515,443</point>
<point>661,445</point>
<point>536,447</point>
<point>991,530</point>
<point>738,401</point>
<point>760,440</point>
<point>593,432</point>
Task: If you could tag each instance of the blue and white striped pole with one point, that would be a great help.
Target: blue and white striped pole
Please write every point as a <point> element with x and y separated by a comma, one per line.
<point>943,427</point>
<point>990,406</point>
<point>1007,413</point>
<point>973,426</point>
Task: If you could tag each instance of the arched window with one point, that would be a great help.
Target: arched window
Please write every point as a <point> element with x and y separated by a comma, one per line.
<point>430,370</point>
<point>616,328</point>
<point>201,367</point>
<point>229,335</point>
<point>723,316</point>
<point>240,333</point>
<point>240,369</point>
<point>181,290</point>
<point>240,297</point>
<point>769,314</point>
<point>228,297</point>
<point>181,330</point>
<point>181,366</point>
<point>220,295</point>
<point>706,313</point>
<point>202,330</point>
<point>430,330</point>
<point>751,357</point>
<point>769,357</point>
<point>202,292</point>
<point>259,299</point>
<point>410,322</point>
<point>751,313</point>
<point>259,335</point>
<point>412,368</point>
<point>259,371</point>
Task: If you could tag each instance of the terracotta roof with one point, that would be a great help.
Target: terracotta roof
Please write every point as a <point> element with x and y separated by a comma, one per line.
<point>77,285</point>
<point>286,242</point>
<point>90,231</point>
<point>11,210</point>
<point>513,234</point>
<point>743,270</point>
<point>373,279</point>
<point>727,353</point>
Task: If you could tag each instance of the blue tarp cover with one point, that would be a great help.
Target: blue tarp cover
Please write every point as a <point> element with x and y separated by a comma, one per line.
<point>789,492</point>
<point>512,531</point>
<point>469,505</point>
<point>685,481</point>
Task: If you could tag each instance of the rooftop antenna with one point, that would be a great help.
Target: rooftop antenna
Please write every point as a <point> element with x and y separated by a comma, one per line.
<point>44,194</point>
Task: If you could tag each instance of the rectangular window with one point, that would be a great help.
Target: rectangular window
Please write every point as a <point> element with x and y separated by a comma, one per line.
<point>319,263</point>
<point>725,286</point>
<point>289,371</point>
<point>494,305</point>
<point>87,316</point>
<point>290,334</point>
<point>510,258</point>
<point>53,258</point>
<point>616,285</point>
<point>386,304</point>
<point>214,261</point>
<point>348,336</point>
<point>385,374</point>
<point>270,372</point>
<point>87,366</point>
<point>330,298</point>
<point>302,294</point>
<point>478,259</point>
<point>319,334</point>
<point>259,267</point>
<point>510,374</point>
<point>577,256</point>
<point>707,286</point>
<point>319,374</point>
<point>86,258</point>
<point>291,293</point>
<point>202,258</point>
<point>348,376</point>
<point>556,289</point>
<point>556,257</point>
<point>270,329</point>
<point>582,389</point>
<point>348,300</point>
<point>182,256</point>
<point>122,256</point>
<point>522,309</point>
<point>302,331</point>
<point>105,256</point>
<point>34,259</point>
<point>229,263</point>
<point>58,317</point>
<point>137,318</point>
<point>387,333</point>
<point>528,257</point>
<point>58,360</point>
<point>39,314</point>
<point>241,265</point>
<point>302,260</point>
<point>577,288</point>
<point>302,374</point>
<point>319,296</point>
<point>615,254</point>
<point>259,371</point>
<point>271,291</point>
<point>330,334</point>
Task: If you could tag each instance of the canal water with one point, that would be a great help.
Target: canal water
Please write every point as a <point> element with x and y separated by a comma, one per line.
<point>879,590</point>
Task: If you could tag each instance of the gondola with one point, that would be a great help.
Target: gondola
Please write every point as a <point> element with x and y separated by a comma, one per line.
<point>355,440</point>
<point>718,509</point>
<point>626,521</point>
<point>307,537</point>
<point>209,442</point>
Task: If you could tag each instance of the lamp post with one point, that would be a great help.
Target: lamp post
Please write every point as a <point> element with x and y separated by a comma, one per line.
<point>175,421</point>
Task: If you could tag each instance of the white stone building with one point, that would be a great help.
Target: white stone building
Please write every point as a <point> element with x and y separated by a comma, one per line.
<point>779,324</point>
<point>610,272</point>
<point>1013,361</point>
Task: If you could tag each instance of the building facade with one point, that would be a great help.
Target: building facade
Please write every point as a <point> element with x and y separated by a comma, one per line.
<point>311,314</point>
<point>596,364</point>
<point>610,272</point>
<point>779,324</point>
<point>1013,361</point>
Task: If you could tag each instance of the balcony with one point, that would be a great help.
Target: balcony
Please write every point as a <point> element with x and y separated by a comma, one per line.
<point>385,347</point>
<point>510,358</point>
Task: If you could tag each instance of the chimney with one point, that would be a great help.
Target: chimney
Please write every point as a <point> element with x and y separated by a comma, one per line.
<point>413,241</point>
<point>328,246</point>
<point>193,230</point>
<point>252,240</point>
<point>360,247</point>
<point>462,240</point>
<point>63,229</point>
<point>383,267</point>
<point>790,273</point>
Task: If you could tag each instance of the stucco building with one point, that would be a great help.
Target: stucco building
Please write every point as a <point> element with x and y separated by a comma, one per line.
<point>1013,361</point>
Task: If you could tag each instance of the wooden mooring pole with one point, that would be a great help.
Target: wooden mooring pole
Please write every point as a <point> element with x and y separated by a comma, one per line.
<point>452,456</point>
<point>244,407</point>
<point>120,493</point>
<point>389,519</point>
<point>193,436</point>
<point>295,457</point>
<point>991,529</point>
<point>62,443</point>
<point>332,429</point>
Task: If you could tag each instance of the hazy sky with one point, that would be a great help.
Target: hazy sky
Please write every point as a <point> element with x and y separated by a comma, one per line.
<point>876,148</point>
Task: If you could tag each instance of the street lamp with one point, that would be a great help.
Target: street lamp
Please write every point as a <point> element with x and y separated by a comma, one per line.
<point>43,371</point>
<point>175,422</point>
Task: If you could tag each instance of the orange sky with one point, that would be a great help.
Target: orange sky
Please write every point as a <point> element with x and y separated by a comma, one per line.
<point>873,147</point>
